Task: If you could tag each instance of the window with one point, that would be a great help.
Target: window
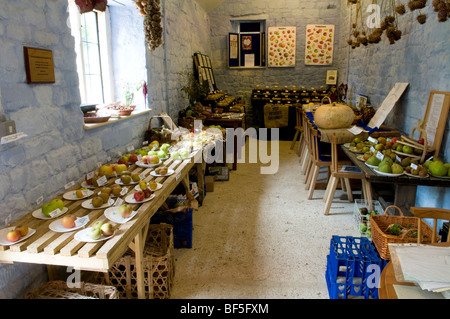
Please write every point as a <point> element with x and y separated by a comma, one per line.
<point>92,42</point>
<point>246,44</point>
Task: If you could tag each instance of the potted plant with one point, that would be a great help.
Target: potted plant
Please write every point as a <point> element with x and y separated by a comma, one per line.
<point>194,90</point>
<point>129,90</point>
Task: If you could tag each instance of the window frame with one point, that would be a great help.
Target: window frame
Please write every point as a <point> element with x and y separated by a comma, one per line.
<point>236,25</point>
<point>104,38</point>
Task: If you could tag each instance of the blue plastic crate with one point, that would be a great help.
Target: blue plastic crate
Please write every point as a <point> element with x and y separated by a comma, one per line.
<point>348,287</point>
<point>182,226</point>
<point>348,267</point>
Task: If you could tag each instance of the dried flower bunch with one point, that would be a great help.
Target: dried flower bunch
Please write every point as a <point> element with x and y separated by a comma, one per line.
<point>442,7</point>
<point>151,10</point>
<point>389,24</point>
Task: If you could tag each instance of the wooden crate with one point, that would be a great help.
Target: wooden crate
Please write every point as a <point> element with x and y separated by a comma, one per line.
<point>158,262</point>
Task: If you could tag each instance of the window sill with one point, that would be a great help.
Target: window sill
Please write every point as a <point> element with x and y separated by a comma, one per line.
<point>112,120</point>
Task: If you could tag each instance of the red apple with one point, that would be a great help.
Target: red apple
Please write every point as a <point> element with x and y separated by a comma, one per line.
<point>147,192</point>
<point>23,230</point>
<point>421,141</point>
<point>133,158</point>
<point>153,159</point>
<point>125,210</point>
<point>68,221</point>
<point>123,161</point>
<point>139,196</point>
<point>107,229</point>
<point>13,235</point>
<point>145,159</point>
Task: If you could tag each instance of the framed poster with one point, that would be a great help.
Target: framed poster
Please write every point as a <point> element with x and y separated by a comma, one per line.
<point>331,77</point>
<point>39,65</point>
<point>281,46</point>
<point>319,44</point>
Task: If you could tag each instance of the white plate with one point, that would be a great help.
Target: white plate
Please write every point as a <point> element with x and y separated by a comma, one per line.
<point>6,242</point>
<point>113,215</point>
<point>138,188</point>
<point>118,181</point>
<point>386,174</point>
<point>57,226</point>
<point>361,157</point>
<point>84,184</point>
<point>355,150</point>
<point>88,204</point>
<point>142,164</point>
<point>83,236</point>
<point>169,172</point>
<point>73,196</point>
<point>371,166</point>
<point>416,176</point>
<point>130,199</point>
<point>445,176</point>
<point>39,215</point>
<point>346,145</point>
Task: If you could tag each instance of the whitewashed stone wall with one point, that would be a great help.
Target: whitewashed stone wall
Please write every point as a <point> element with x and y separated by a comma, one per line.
<point>421,58</point>
<point>58,150</point>
<point>240,83</point>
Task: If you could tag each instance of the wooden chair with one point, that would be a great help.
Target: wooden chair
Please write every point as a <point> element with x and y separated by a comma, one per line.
<point>298,130</point>
<point>319,159</point>
<point>432,213</point>
<point>306,155</point>
<point>345,177</point>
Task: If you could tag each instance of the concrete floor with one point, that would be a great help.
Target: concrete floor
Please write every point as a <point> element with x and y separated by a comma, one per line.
<point>258,236</point>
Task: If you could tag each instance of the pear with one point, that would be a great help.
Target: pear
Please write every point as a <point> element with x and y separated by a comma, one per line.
<point>373,160</point>
<point>424,172</point>
<point>385,168</point>
<point>437,168</point>
<point>396,168</point>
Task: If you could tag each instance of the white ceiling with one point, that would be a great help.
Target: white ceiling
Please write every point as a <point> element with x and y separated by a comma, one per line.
<point>207,5</point>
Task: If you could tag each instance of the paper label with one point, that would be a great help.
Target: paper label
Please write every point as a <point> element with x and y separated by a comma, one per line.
<point>102,181</point>
<point>380,156</point>
<point>54,213</point>
<point>118,202</point>
<point>81,221</point>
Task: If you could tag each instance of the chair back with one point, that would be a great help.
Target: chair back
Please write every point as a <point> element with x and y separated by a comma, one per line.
<point>431,213</point>
<point>298,117</point>
<point>334,153</point>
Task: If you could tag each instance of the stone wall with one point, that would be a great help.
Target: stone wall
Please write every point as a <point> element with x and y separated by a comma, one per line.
<point>240,82</point>
<point>57,149</point>
<point>421,58</point>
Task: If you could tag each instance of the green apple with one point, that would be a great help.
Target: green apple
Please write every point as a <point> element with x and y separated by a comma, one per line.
<point>184,153</point>
<point>162,154</point>
<point>152,152</point>
<point>95,233</point>
<point>175,155</point>
<point>50,207</point>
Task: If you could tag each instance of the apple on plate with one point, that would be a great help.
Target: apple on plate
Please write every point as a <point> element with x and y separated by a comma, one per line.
<point>50,207</point>
<point>106,170</point>
<point>23,230</point>
<point>125,210</point>
<point>107,229</point>
<point>68,221</point>
<point>184,153</point>
<point>13,235</point>
<point>153,159</point>
<point>147,192</point>
<point>119,168</point>
<point>122,160</point>
<point>139,196</point>
<point>175,155</point>
<point>133,158</point>
<point>145,159</point>
<point>162,154</point>
<point>153,152</point>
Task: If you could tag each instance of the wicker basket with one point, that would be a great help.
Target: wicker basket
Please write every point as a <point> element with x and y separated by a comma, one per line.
<point>379,224</point>
<point>188,122</point>
<point>59,290</point>
<point>158,266</point>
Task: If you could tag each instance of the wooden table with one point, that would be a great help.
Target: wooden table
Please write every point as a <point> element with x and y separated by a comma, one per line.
<point>61,249</point>
<point>405,186</point>
<point>388,280</point>
<point>229,123</point>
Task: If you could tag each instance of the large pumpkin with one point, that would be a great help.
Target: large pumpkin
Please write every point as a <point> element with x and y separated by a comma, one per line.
<point>333,115</point>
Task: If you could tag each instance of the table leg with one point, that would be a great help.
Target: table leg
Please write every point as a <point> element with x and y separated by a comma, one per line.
<point>201,167</point>
<point>139,244</point>
<point>405,197</point>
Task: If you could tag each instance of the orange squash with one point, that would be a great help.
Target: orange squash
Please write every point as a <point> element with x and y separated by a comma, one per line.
<point>333,115</point>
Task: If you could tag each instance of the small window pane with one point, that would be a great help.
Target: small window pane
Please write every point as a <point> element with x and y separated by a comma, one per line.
<point>250,27</point>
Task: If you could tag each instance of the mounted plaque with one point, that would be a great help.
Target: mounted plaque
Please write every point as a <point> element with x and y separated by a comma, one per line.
<point>39,65</point>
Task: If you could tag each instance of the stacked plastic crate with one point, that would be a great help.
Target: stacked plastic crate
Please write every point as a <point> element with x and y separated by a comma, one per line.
<point>353,268</point>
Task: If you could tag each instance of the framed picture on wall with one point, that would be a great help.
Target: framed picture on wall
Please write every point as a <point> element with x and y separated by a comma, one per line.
<point>331,77</point>
<point>281,46</point>
<point>319,45</point>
